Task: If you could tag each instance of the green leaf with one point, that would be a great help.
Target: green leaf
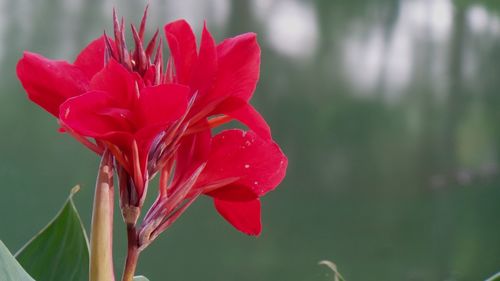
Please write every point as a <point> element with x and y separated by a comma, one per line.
<point>140,278</point>
<point>495,277</point>
<point>60,251</point>
<point>10,269</point>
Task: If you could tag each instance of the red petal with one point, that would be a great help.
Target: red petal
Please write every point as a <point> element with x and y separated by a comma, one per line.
<point>182,43</point>
<point>206,67</point>
<point>118,82</point>
<point>243,215</point>
<point>163,104</point>
<point>246,114</point>
<point>49,83</point>
<point>157,108</point>
<point>252,118</point>
<point>238,67</point>
<point>257,164</point>
<point>91,59</point>
<point>93,115</point>
<point>192,152</point>
<point>233,192</point>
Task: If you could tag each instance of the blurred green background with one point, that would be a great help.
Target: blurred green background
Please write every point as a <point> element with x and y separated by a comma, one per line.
<point>388,110</point>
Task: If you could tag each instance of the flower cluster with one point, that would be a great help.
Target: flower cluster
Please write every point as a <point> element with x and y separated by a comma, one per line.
<point>158,119</point>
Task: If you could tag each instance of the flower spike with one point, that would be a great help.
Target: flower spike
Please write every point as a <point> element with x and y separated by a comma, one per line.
<point>152,44</point>
<point>118,37</point>
<point>139,55</point>
<point>158,63</point>
<point>142,27</point>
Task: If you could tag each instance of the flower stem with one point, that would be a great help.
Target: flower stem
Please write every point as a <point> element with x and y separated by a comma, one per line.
<point>101,237</point>
<point>132,253</point>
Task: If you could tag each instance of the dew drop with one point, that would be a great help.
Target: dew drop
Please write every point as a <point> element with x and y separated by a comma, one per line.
<point>256,182</point>
<point>247,166</point>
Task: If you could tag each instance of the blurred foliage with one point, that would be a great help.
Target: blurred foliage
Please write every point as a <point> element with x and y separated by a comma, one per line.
<point>492,5</point>
<point>495,277</point>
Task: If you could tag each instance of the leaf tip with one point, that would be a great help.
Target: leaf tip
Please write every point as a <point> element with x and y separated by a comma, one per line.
<point>74,190</point>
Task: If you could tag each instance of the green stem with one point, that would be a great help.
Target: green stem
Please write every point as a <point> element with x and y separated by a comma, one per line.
<point>101,236</point>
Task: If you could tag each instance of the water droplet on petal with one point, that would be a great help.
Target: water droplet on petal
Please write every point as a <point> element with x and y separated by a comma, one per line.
<point>247,166</point>
<point>256,182</point>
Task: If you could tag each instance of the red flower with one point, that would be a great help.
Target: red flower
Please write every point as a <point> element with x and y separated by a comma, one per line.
<point>236,168</point>
<point>223,76</point>
<point>111,95</point>
<point>49,83</point>
<point>124,114</point>
<point>156,120</point>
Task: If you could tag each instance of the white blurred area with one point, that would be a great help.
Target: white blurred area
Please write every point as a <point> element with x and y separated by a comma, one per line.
<point>373,59</point>
<point>195,11</point>
<point>481,21</point>
<point>376,58</point>
<point>291,26</point>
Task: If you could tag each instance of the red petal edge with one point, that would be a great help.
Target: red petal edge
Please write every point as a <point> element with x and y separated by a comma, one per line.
<point>204,74</point>
<point>258,165</point>
<point>243,215</point>
<point>91,58</point>
<point>182,43</point>
<point>238,67</point>
<point>49,83</point>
